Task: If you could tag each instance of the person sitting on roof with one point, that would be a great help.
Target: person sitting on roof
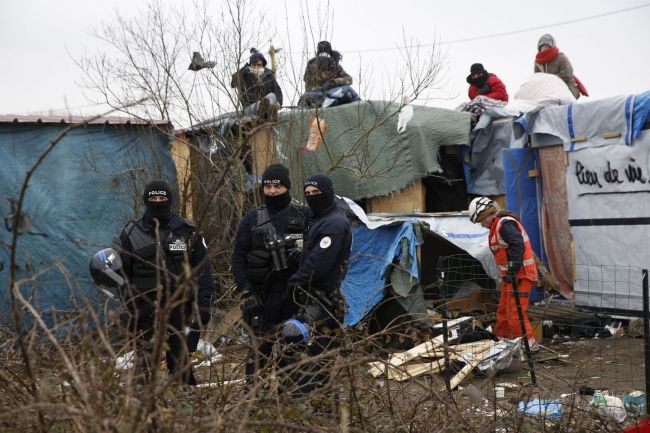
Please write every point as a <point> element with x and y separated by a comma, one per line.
<point>550,60</point>
<point>481,82</point>
<point>326,82</point>
<point>259,93</point>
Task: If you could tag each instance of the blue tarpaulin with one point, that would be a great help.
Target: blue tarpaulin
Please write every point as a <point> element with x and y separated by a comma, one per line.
<point>78,200</point>
<point>373,251</point>
<point>641,112</point>
<point>521,196</point>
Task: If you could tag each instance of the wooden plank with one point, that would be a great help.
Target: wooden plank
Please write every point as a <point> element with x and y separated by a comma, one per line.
<point>410,199</point>
<point>415,370</point>
<point>465,371</point>
<point>432,348</point>
<point>378,368</point>
<point>579,139</point>
<point>611,134</point>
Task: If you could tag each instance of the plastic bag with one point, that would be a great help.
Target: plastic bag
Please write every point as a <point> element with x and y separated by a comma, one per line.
<point>609,406</point>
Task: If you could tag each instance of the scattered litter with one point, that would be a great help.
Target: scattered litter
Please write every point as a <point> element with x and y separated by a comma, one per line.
<point>224,383</point>
<point>567,395</point>
<point>616,331</point>
<point>544,408</point>
<point>499,413</point>
<point>508,385</point>
<point>610,406</point>
<point>635,402</point>
<point>500,356</point>
<point>212,354</point>
<point>124,362</point>
<point>499,392</point>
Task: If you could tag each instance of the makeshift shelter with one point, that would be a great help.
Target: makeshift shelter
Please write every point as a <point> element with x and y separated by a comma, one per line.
<point>78,198</point>
<point>358,145</point>
<point>601,149</point>
<point>395,256</point>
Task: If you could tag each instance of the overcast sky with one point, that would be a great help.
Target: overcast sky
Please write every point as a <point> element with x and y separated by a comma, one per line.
<point>609,51</point>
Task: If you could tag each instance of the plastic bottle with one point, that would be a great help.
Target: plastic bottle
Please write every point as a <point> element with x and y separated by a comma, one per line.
<point>598,399</point>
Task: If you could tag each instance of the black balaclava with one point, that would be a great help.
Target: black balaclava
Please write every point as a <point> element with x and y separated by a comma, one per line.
<point>160,210</point>
<point>477,68</point>
<point>277,174</point>
<point>323,202</point>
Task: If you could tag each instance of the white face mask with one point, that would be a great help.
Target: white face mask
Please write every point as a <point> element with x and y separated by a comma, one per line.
<point>324,55</point>
<point>257,71</point>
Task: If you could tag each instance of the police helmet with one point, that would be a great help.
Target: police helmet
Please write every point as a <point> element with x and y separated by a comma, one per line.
<point>104,268</point>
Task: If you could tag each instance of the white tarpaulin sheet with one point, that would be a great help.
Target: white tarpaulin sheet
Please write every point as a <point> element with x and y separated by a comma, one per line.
<point>609,212</point>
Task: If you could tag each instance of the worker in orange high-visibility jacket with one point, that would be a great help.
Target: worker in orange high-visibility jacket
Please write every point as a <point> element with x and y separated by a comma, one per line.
<point>514,256</point>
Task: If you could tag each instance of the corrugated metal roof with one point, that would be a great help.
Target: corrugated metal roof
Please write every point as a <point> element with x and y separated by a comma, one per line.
<point>102,120</point>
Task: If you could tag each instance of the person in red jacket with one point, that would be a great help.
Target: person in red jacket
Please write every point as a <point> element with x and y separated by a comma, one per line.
<point>483,83</point>
<point>515,259</point>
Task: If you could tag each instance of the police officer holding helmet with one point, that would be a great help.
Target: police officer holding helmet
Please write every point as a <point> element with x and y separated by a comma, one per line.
<point>316,284</point>
<point>267,249</point>
<point>154,252</point>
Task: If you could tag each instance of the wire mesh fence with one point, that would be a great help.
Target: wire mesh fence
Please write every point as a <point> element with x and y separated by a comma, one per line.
<point>591,357</point>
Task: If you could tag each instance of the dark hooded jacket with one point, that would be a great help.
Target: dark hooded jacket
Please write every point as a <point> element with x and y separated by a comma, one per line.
<point>323,73</point>
<point>251,88</point>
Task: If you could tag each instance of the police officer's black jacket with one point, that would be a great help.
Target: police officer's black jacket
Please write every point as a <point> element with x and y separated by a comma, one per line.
<point>138,246</point>
<point>327,250</point>
<point>292,219</point>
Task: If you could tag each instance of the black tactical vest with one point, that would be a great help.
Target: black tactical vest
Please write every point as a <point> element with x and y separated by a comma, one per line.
<point>174,248</point>
<point>297,224</point>
<point>260,265</point>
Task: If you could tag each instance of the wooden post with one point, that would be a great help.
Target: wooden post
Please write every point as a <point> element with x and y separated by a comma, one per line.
<point>410,199</point>
<point>181,156</point>
<point>272,52</point>
<point>262,151</point>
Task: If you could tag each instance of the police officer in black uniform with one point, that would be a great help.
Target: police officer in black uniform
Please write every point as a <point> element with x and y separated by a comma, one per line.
<point>315,285</point>
<point>267,249</point>
<point>154,251</point>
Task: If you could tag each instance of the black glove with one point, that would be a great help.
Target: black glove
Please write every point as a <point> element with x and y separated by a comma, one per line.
<point>293,257</point>
<point>251,305</point>
<point>327,85</point>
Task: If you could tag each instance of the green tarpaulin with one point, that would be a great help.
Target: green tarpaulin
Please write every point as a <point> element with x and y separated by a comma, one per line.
<point>361,149</point>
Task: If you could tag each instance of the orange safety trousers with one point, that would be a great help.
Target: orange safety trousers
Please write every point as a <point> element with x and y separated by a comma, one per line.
<point>507,324</point>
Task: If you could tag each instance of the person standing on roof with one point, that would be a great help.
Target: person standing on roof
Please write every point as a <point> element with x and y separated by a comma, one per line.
<point>263,260</point>
<point>481,82</point>
<point>550,60</point>
<point>515,259</point>
<point>258,91</point>
<point>326,82</point>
